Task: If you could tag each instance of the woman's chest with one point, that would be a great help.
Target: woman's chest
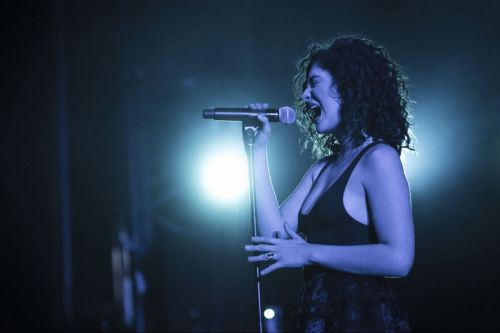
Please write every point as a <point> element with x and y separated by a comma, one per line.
<point>338,189</point>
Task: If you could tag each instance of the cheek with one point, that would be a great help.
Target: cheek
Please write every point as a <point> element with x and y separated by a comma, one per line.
<point>334,105</point>
<point>338,106</point>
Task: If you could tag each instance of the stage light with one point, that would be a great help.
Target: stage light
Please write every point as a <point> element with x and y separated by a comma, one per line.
<point>224,174</point>
<point>269,313</point>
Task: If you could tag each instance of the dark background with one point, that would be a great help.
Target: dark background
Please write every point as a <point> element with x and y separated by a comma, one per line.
<point>104,99</point>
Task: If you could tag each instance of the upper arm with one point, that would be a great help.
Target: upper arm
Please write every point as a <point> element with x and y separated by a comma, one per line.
<point>290,208</point>
<point>389,202</point>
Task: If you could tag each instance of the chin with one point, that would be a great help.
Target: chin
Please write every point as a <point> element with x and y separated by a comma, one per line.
<point>319,130</point>
<point>322,130</point>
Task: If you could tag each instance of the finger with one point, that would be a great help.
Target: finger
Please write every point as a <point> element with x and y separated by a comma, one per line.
<point>259,258</point>
<point>271,268</point>
<point>265,106</point>
<point>265,122</point>
<point>259,106</point>
<point>260,247</point>
<point>253,106</point>
<point>265,128</point>
<point>268,240</point>
<point>263,119</point>
<point>291,233</point>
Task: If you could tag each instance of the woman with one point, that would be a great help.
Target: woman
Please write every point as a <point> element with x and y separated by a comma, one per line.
<point>348,223</point>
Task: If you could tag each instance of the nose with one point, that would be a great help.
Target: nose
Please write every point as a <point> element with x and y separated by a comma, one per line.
<point>306,94</point>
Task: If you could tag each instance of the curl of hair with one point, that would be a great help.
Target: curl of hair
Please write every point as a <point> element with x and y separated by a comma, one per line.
<point>373,93</point>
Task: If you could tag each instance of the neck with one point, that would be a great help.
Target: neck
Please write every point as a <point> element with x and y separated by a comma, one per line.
<point>349,146</point>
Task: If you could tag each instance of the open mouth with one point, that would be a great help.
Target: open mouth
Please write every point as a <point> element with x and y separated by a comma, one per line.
<point>315,111</point>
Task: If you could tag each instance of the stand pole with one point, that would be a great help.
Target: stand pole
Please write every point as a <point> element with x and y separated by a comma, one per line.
<point>249,130</point>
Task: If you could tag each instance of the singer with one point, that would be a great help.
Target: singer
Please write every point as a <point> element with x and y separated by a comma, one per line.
<point>348,223</point>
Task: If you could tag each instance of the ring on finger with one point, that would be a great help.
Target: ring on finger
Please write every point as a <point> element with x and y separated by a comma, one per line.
<point>270,255</point>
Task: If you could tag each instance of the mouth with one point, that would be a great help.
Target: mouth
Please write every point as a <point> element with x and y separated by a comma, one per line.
<point>315,111</point>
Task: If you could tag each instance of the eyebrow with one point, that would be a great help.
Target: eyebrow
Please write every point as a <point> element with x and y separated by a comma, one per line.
<point>313,77</point>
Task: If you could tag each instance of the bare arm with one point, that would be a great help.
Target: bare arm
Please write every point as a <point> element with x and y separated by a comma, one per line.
<point>270,216</point>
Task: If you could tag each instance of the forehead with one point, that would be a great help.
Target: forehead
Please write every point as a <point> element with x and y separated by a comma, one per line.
<point>317,71</point>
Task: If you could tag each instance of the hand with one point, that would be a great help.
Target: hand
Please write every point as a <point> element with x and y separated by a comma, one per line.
<point>264,131</point>
<point>292,252</point>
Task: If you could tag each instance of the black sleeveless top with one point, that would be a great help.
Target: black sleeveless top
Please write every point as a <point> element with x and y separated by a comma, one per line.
<point>337,301</point>
<point>329,223</point>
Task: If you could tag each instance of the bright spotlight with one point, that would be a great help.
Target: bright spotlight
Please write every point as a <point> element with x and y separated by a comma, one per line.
<point>224,175</point>
<point>269,313</point>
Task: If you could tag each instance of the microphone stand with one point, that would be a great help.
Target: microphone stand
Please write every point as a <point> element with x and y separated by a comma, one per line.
<point>249,129</point>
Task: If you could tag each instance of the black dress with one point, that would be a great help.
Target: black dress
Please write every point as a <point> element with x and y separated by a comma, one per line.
<point>336,301</point>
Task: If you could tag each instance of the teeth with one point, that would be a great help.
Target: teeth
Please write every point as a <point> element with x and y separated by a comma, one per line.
<point>316,110</point>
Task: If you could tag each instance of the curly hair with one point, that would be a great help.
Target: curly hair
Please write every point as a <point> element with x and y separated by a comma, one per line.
<point>373,93</point>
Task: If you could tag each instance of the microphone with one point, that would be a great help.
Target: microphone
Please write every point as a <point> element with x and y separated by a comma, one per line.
<point>284,114</point>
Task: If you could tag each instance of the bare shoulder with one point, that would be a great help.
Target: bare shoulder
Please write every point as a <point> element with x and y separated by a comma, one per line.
<point>381,160</point>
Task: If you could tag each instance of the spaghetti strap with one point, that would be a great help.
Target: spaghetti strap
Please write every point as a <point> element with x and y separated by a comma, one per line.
<point>328,161</point>
<point>348,171</point>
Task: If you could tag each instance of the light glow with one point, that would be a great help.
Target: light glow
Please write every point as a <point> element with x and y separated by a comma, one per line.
<point>269,313</point>
<point>224,175</point>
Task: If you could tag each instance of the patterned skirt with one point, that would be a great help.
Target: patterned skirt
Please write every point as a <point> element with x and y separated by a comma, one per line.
<point>335,301</point>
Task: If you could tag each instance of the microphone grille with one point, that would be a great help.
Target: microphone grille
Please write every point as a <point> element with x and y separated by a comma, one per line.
<point>287,115</point>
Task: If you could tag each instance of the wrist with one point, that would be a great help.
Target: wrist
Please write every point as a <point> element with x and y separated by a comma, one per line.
<point>309,254</point>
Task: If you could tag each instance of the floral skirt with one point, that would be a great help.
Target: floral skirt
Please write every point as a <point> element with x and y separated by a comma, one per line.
<point>335,301</point>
